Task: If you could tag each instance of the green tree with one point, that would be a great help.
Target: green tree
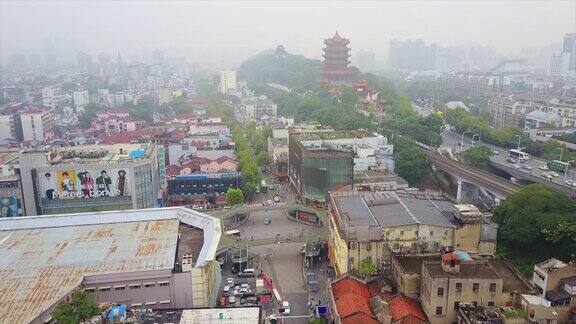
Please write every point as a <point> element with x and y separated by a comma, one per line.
<point>536,219</point>
<point>263,158</point>
<point>234,196</point>
<point>411,164</point>
<point>89,113</point>
<point>478,156</point>
<point>81,307</point>
<point>143,109</point>
<point>367,268</point>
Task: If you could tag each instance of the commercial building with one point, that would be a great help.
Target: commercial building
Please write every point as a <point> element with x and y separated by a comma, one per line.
<point>7,127</point>
<point>278,150</point>
<point>508,111</point>
<point>372,225</point>
<point>36,123</point>
<point>255,109</point>
<point>11,199</point>
<point>539,119</point>
<point>89,178</point>
<point>151,258</point>
<point>227,81</point>
<point>202,188</point>
<point>323,161</point>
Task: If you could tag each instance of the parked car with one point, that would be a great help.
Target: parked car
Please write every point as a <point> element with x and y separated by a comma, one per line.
<point>230,281</point>
<point>251,299</point>
<point>247,273</point>
<point>569,182</point>
<point>242,291</point>
<point>554,174</point>
<point>231,300</point>
<point>543,167</point>
<point>495,152</point>
<point>277,199</point>
<point>285,310</point>
<point>516,166</point>
<point>267,221</point>
<point>511,160</point>
<point>226,288</point>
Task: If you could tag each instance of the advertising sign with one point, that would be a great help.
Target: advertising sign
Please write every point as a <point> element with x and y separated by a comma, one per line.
<point>82,184</point>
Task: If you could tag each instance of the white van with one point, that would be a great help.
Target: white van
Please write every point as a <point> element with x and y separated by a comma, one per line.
<point>247,273</point>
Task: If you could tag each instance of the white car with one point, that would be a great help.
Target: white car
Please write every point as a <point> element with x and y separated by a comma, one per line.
<point>569,182</point>
<point>226,289</point>
<point>526,167</point>
<point>269,202</point>
<point>285,310</point>
<point>242,291</point>
<point>554,174</point>
<point>230,281</point>
<point>543,167</point>
<point>495,152</point>
<point>546,175</point>
<point>277,199</point>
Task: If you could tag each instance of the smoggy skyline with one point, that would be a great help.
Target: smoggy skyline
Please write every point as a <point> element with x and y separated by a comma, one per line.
<point>223,31</point>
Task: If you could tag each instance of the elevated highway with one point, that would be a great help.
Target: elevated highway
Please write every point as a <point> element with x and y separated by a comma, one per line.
<point>499,187</point>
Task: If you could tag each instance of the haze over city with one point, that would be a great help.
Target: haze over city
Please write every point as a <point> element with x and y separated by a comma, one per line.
<point>230,31</point>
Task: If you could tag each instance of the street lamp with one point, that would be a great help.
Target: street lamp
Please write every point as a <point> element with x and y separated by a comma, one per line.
<point>561,150</point>
<point>519,137</point>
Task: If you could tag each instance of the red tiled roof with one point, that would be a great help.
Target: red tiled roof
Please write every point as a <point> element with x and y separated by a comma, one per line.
<point>351,297</point>
<point>33,111</point>
<point>120,137</point>
<point>404,308</point>
<point>224,158</point>
<point>172,170</point>
<point>351,303</point>
<point>359,318</point>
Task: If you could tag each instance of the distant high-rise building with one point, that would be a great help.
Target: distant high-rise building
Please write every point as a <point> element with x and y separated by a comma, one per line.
<point>35,124</point>
<point>227,81</point>
<point>336,60</point>
<point>365,61</point>
<point>569,47</point>
<point>84,61</point>
<point>412,55</point>
<point>559,64</point>
<point>104,59</point>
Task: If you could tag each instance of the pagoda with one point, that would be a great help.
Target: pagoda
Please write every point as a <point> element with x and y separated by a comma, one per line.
<point>335,68</point>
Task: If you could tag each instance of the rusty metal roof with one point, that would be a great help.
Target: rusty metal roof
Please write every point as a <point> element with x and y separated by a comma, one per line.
<point>41,265</point>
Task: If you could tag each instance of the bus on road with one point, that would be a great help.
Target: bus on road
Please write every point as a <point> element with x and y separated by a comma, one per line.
<point>557,165</point>
<point>518,154</point>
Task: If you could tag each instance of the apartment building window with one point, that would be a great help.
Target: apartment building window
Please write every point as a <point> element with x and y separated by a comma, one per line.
<point>490,303</point>
<point>439,310</point>
<point>90,290</point>
<point>431,233</point>
<point>123,287</point>
<point>475,287</point>
<point>459,287</point>
<point>402,232</point>
<point>135,286</point>
<point>493,287</point>
<point>149,285</point>
<point>440,292</point>
<point>164,283</point>
<point>104,288</point>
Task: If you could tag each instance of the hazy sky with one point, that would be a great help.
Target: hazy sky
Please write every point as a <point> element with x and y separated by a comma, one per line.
<point>229,31</point>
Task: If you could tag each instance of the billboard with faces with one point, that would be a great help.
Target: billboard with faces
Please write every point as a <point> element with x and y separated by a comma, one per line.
<point>84,183</point>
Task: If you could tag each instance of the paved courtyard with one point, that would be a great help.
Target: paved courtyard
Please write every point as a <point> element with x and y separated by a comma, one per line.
<point>280,224</point>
